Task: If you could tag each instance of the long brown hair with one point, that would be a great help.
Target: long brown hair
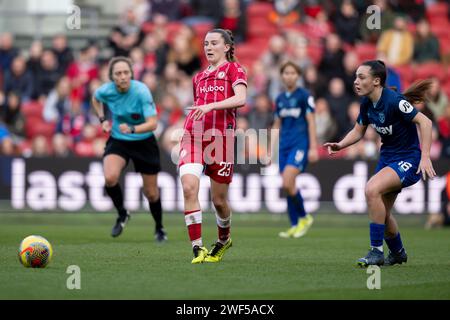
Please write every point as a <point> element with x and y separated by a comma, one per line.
<point>417,92</point>
<point>227,36</point>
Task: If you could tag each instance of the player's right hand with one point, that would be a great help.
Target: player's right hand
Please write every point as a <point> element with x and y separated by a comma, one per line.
<point>333,147</point>
<point>106,126</point>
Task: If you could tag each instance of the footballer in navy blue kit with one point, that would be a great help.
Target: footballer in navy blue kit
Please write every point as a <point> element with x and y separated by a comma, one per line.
<point>403,158</point>
<point>294,116</point>
<point>134,118</point>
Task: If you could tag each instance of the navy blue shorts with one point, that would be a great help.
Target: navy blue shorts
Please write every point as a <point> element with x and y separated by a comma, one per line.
<point>405,168</point>
<point>296,157</point>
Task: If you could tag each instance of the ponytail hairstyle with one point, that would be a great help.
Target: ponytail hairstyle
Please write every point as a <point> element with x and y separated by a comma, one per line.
<point>417,92</point>
<point>377,70</point>
<point>227,36</point>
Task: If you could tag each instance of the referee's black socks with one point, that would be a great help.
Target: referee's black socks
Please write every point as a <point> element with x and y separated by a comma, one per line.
<point>156,211</point>
<point>116,195</point>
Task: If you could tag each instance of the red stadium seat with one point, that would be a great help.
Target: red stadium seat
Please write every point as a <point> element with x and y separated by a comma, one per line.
<point>440,30</point>
<point>201,29</point>
<point>258,31</point>
<point>36,126</point>
<point>439,9</point>
<point>366,51</point>
<point>406,73</point>
<point>259,9</point>
<point>32,109</point>
<point>446,88</point>
<point>315,53</point>
<point>430,69</point>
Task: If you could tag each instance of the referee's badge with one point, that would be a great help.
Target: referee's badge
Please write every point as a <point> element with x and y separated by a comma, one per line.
<point>221,75</point>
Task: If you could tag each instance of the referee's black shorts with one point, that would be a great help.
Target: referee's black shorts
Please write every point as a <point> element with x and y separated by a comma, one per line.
<point>144,153</point>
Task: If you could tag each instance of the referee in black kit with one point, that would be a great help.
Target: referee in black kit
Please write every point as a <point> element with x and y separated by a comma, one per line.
<point>133,120</point>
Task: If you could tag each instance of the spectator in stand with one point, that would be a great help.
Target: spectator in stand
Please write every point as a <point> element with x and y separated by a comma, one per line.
<point>397,44</point>
<point>426,45</point>
<point>331,65</point>
<point>58,101</point>
<point>204,11</point>
<point>6,142</point>
<point>314,82</point>
<point>80,73</point>
<point>142,9</point>
<point>326,127</point>
<point>183,90</point>
<point>346,22</point>
<point>319,26</point>
<point>62,52</point>
<point>137,57</point>
<point>371,33</point>
<point>34,59</point>
<point>169,8</point>
<point>444,132</point>
<point>258,81</point>
<point>272,59</point>
<point>40,147</point>
<point>184,53</point>
<point>351,63</point>
<point>126,35</point>
<point>233,18</point>
<point>151,81</point>
<point>285,12</point>
<point>13,118</point>
<point>414,8</point>
<point>18,79</point>
<point>7,51</point>
<point>170,112</point>
<point>261,113</point>
<point>339,100</point>
<point>300,53</point>
<point>437,99</point>
<point>84,145</point>
<point>49,74</point>
<point>155,50</point>
<point>61,146</point>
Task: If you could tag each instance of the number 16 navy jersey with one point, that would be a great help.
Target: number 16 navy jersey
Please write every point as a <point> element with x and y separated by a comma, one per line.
<point>392,118</point>
<point>291,108</point>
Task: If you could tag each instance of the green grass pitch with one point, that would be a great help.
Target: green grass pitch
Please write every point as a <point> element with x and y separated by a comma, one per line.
<point>260,265</point>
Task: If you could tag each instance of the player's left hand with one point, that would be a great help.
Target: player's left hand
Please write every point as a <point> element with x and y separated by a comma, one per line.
<point>313,155</point>
<point>426,168</point>
<point>124,128</point>
<point>200,111</point>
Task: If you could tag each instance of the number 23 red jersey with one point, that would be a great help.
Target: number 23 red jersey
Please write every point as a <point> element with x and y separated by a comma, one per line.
<point>215,86</point>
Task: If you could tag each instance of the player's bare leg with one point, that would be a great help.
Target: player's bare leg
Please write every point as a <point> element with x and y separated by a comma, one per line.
<point>384,182</point>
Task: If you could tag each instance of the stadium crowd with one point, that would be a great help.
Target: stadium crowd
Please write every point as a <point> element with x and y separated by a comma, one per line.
<point>45,92</point>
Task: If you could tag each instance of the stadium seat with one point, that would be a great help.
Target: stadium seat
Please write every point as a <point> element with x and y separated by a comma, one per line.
<point>366,51</point>
<point>440,30</point>
<point>248,51</point>
<point>446,88</point>
<point>439,9</point>
<point>259,9</point>
<point>201,29</point>
<point>36,126</point>
<point>431,69</point>
<point>315,53</point>
<point>406,73</point>
<point>32,109</point>
<point>263,30</point>
<point>172,30</point>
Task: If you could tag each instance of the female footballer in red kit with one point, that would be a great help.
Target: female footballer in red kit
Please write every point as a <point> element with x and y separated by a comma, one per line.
<point>208,141</point>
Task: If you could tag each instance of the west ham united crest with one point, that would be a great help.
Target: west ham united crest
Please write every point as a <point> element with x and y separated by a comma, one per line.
<point>381,117</point>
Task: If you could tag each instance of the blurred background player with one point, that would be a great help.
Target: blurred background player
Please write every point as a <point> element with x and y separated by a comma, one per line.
<point>402,159</point>
<point>294,114</point>
<point>133,120</point>
<point>208,141</point>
